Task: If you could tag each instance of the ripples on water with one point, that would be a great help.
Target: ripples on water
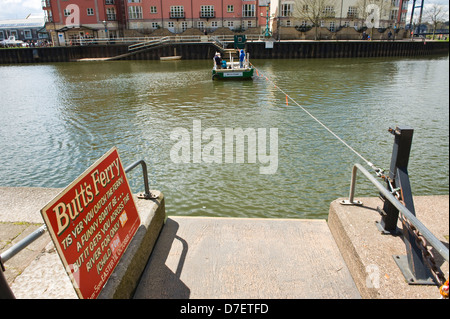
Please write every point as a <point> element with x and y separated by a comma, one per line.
<point>57,119</point>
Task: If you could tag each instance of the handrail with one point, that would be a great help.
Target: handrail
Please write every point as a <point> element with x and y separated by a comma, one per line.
<point>172,38</point>
<point>147,194</point>
<point>147,44</point>
<point>12,251</point>
<point>431,239</point>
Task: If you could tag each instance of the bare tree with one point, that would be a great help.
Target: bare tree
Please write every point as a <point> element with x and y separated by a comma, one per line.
<point>436,14</point>
<point>314,11</point>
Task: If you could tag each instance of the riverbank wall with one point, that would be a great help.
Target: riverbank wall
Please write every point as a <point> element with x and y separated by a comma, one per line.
<point>258,50</point>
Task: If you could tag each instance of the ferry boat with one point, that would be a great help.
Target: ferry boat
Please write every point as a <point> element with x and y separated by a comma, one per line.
<point>232,70</point>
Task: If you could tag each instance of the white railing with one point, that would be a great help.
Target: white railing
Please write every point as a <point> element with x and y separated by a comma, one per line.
<point>148,44</point>
<point>174,38</point>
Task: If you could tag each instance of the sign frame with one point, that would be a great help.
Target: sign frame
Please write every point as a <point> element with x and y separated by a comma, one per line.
<point>91,223</point>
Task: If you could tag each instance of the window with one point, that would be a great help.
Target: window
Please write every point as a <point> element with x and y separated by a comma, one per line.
<point>27,34</point>
<point>248,10</point>
<point>170,24</point>
<point>214,24</point>
<point>155,25</point>
<point>134,1</point>
<point>230,8</point>
<point>352,13</point>
<point>329,12</point>
<point>230,24</point>
<point>2,35</point>
<point>287,9</point>
<point>394,14</point>
<point>177,11</point>
<point>109,1</point>
<point>66,12</point>
<point>332,26</point>
<point>200,25</point>
<point>110,14</point>
<point>184,26</point>
<point>90,11</point>
<point>153,9</point>
<point>207,11</point>
<point>135,12</point>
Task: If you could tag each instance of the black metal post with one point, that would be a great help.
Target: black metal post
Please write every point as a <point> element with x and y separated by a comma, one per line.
<point>399,159</point>
<point>412,265</point>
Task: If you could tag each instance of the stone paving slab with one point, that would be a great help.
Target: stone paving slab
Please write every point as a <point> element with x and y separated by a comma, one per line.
<point>201,257</point>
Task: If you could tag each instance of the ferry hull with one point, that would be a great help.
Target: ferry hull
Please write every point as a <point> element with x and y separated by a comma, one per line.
<point>223,74</point>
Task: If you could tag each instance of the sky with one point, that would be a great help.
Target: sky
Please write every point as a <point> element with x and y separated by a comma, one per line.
<point>20,9</point>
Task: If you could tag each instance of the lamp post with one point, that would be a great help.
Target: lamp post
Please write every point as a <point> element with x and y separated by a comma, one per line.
<point>106,29</point>
<point>267,32</point>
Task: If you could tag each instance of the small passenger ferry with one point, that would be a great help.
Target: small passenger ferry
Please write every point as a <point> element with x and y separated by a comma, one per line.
<point>231,69</point>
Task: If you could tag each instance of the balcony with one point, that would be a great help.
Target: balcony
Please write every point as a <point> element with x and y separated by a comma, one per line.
<point>176,15</point>
<point>207,14</point>
<point>329,14</point>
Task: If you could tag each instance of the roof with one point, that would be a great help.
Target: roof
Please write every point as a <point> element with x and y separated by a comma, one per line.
<point>22,23</point>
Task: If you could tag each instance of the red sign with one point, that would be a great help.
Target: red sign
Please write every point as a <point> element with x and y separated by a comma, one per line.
<point>92,222</point>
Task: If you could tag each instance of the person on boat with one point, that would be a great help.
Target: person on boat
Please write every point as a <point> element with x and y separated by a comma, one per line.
<point>218,61</point>
<point>241,59</point>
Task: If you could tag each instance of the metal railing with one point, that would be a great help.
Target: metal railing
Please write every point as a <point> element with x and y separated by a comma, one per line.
<point>425,232</point>
<point>148,44</point>
<point>174,38</point>
<point>146,194</point>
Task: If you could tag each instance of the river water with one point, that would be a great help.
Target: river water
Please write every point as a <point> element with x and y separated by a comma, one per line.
<point>57,119</point>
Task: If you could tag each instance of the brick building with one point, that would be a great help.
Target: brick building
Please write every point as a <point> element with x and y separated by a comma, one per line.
<point>68,19</point>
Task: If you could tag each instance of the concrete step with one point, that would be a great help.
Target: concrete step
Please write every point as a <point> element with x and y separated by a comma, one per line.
<point>202,257</point>
<point>370,255</point>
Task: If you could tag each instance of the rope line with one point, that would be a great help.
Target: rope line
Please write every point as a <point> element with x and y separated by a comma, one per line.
<point>288,97</point>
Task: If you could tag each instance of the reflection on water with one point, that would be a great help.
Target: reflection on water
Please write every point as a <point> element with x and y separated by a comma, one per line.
<point>57,119</point>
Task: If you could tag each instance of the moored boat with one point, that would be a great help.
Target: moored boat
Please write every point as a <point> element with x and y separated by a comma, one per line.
<point>232,70</point>
<point>170,58</point>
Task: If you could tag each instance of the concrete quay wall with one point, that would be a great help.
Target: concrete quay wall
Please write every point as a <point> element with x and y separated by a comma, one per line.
<point>202,257</point>
<point>258,50</point>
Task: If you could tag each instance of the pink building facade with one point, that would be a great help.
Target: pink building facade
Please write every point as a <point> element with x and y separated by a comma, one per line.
<point>117,18</point>
<point>206,15</point>
<point>123,18</point>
